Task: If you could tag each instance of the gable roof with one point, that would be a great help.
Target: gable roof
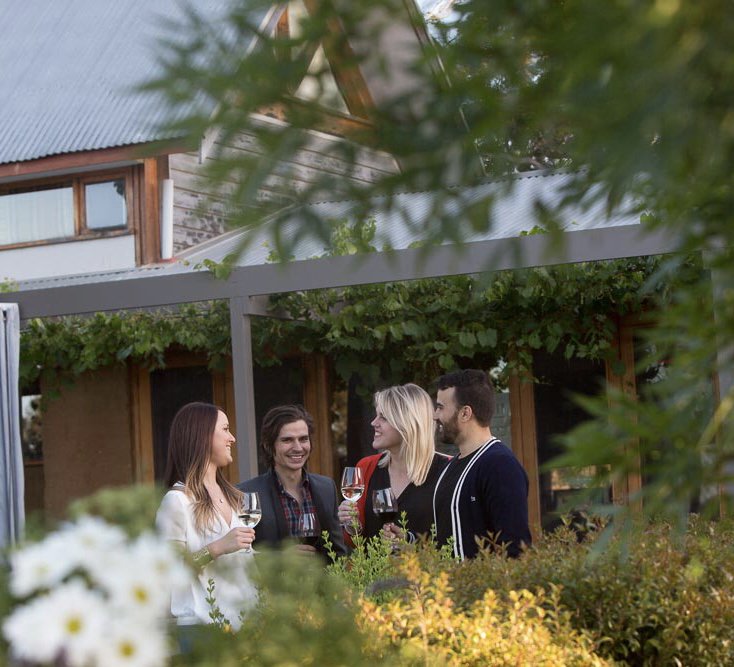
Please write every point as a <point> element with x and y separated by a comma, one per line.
<point>70,68</point>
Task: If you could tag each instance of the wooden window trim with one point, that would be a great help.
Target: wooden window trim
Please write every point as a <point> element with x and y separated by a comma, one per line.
<point>78,183</point>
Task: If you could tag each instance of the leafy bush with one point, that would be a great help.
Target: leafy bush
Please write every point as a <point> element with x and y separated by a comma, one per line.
<point>659,597</point>
<point>429,629</point>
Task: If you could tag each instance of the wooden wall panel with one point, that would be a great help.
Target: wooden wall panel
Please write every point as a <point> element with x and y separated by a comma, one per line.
<point>625,487</point>
<point>317,400</point>
<point>524,443</point>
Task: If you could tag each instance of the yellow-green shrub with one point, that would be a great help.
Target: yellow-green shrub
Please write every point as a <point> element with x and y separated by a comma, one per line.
<point>428,629</point>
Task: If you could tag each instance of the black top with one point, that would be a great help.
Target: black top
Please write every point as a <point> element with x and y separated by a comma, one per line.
<point>415,501</point>
<point>443,506</point>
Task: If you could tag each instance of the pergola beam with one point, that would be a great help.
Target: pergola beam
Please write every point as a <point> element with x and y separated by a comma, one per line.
<point>407,264</point>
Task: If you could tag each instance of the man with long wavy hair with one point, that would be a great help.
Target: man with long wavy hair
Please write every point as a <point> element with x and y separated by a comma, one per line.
<point>287,490</point>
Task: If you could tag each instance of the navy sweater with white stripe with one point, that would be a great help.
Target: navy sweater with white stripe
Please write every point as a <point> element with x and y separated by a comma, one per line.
<point>490,497</point>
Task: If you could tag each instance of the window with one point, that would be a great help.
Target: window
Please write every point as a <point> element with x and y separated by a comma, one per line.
<point>564,490</point>
<point>82,207</point>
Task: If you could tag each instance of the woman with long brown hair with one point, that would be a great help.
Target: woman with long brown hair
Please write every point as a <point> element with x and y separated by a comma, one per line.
<point>199,513</point>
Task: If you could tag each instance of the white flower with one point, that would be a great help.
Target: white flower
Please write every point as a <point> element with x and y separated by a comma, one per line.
<point>140,578</point>
<point>41,565</point>
<point>161,560</point>
<point>29,636</point>
<point>78,545</point>
<point>71,619</point>
<point>130,644</point>
<point>90,538</point>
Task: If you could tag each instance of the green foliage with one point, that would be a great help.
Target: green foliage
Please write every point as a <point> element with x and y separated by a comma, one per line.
<point>631,95</point>
<point>654,599</point>
<point>386,333</point>
<point>134,508</point>
<point>658,597</point>
<point>303,618</point>
<point>429,629</point>
<point>58,350</point>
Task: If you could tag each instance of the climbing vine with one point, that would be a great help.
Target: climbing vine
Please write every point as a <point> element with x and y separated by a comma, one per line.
<point>386,333</point>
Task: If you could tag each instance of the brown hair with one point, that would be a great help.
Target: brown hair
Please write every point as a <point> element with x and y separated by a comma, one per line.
<point>189,452</point>
<point>473,388</point>
<point>275,419</point>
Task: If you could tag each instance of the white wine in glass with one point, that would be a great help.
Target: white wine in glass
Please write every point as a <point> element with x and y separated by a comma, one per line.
<point>352,484</point>
<point>352,490</point>
<point>249,510</point>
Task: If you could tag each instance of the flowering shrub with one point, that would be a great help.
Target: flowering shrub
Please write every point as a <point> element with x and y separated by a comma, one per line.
<point>93,595</point>
<point>89,595</point>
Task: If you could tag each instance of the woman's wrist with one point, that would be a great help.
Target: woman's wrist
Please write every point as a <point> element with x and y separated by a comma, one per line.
<point>202,557</point>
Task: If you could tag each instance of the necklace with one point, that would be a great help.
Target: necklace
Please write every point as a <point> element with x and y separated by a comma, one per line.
<point>220,499</point>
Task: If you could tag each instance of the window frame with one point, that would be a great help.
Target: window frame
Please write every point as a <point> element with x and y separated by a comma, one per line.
<point>78,183</point>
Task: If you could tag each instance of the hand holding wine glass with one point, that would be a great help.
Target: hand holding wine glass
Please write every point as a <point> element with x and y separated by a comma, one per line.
<point>249,510</point>
<point>352,488</point>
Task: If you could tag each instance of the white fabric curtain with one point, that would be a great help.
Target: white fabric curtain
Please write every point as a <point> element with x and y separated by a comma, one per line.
<point>12,509</point>
<point>37,215</point>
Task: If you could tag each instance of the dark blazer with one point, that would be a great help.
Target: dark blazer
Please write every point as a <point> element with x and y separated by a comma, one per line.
<point>273,527</point>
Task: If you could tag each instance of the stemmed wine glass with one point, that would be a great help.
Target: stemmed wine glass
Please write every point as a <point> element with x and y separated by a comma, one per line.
<point>250,510</point>
<point>385,505</point>
<point>308,529</point>
<point>352,490</point>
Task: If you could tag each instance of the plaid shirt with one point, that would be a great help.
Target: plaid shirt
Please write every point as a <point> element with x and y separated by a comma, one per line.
<point>291,508</point>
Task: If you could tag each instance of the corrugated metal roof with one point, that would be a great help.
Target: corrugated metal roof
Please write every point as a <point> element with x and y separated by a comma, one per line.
<point>68,70</point>
<point>511,210</point>
<point>512,213</point>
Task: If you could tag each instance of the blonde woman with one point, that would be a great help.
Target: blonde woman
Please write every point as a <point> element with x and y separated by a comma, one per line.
<point>199,513</point>
<point>406,462</point>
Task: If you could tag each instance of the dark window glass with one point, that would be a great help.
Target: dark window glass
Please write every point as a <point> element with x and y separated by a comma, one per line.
<point>170,389</point>
<point>555,414</point>
<point>276,385</point>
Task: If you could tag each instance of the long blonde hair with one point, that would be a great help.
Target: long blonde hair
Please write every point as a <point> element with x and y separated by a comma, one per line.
<point>409,410</point>
<point>189,451</point>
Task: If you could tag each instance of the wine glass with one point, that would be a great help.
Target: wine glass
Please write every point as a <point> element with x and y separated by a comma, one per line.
<point>250,510</point>
<point>308,531</point>
<point>385,505</point>
<point>352,490</point>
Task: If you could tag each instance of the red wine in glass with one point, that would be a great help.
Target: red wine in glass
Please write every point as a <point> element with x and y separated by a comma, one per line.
<point>384,505</point>
<point>308,529</point>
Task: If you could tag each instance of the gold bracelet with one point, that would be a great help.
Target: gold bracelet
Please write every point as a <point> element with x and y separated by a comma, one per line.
<point>202,557</point>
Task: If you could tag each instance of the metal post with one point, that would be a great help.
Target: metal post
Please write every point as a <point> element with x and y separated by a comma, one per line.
<point>244,389</point>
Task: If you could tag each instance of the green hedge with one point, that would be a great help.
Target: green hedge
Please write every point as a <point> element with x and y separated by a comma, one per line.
<point>653,598</point>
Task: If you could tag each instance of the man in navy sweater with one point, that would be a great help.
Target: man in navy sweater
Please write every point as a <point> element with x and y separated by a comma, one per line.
<point>483,492</point>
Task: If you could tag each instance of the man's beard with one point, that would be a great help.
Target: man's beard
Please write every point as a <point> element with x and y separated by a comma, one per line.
<point>449,430</point>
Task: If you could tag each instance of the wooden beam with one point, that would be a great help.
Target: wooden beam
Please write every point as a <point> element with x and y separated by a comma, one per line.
<point>141,426</point>
<point>86,159</point>
<point>344,65</point>
<point>150,232</point>
<point>525,443</point>
<point>630,485</point>
<point>317,400</point>
<point>328,121</point>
